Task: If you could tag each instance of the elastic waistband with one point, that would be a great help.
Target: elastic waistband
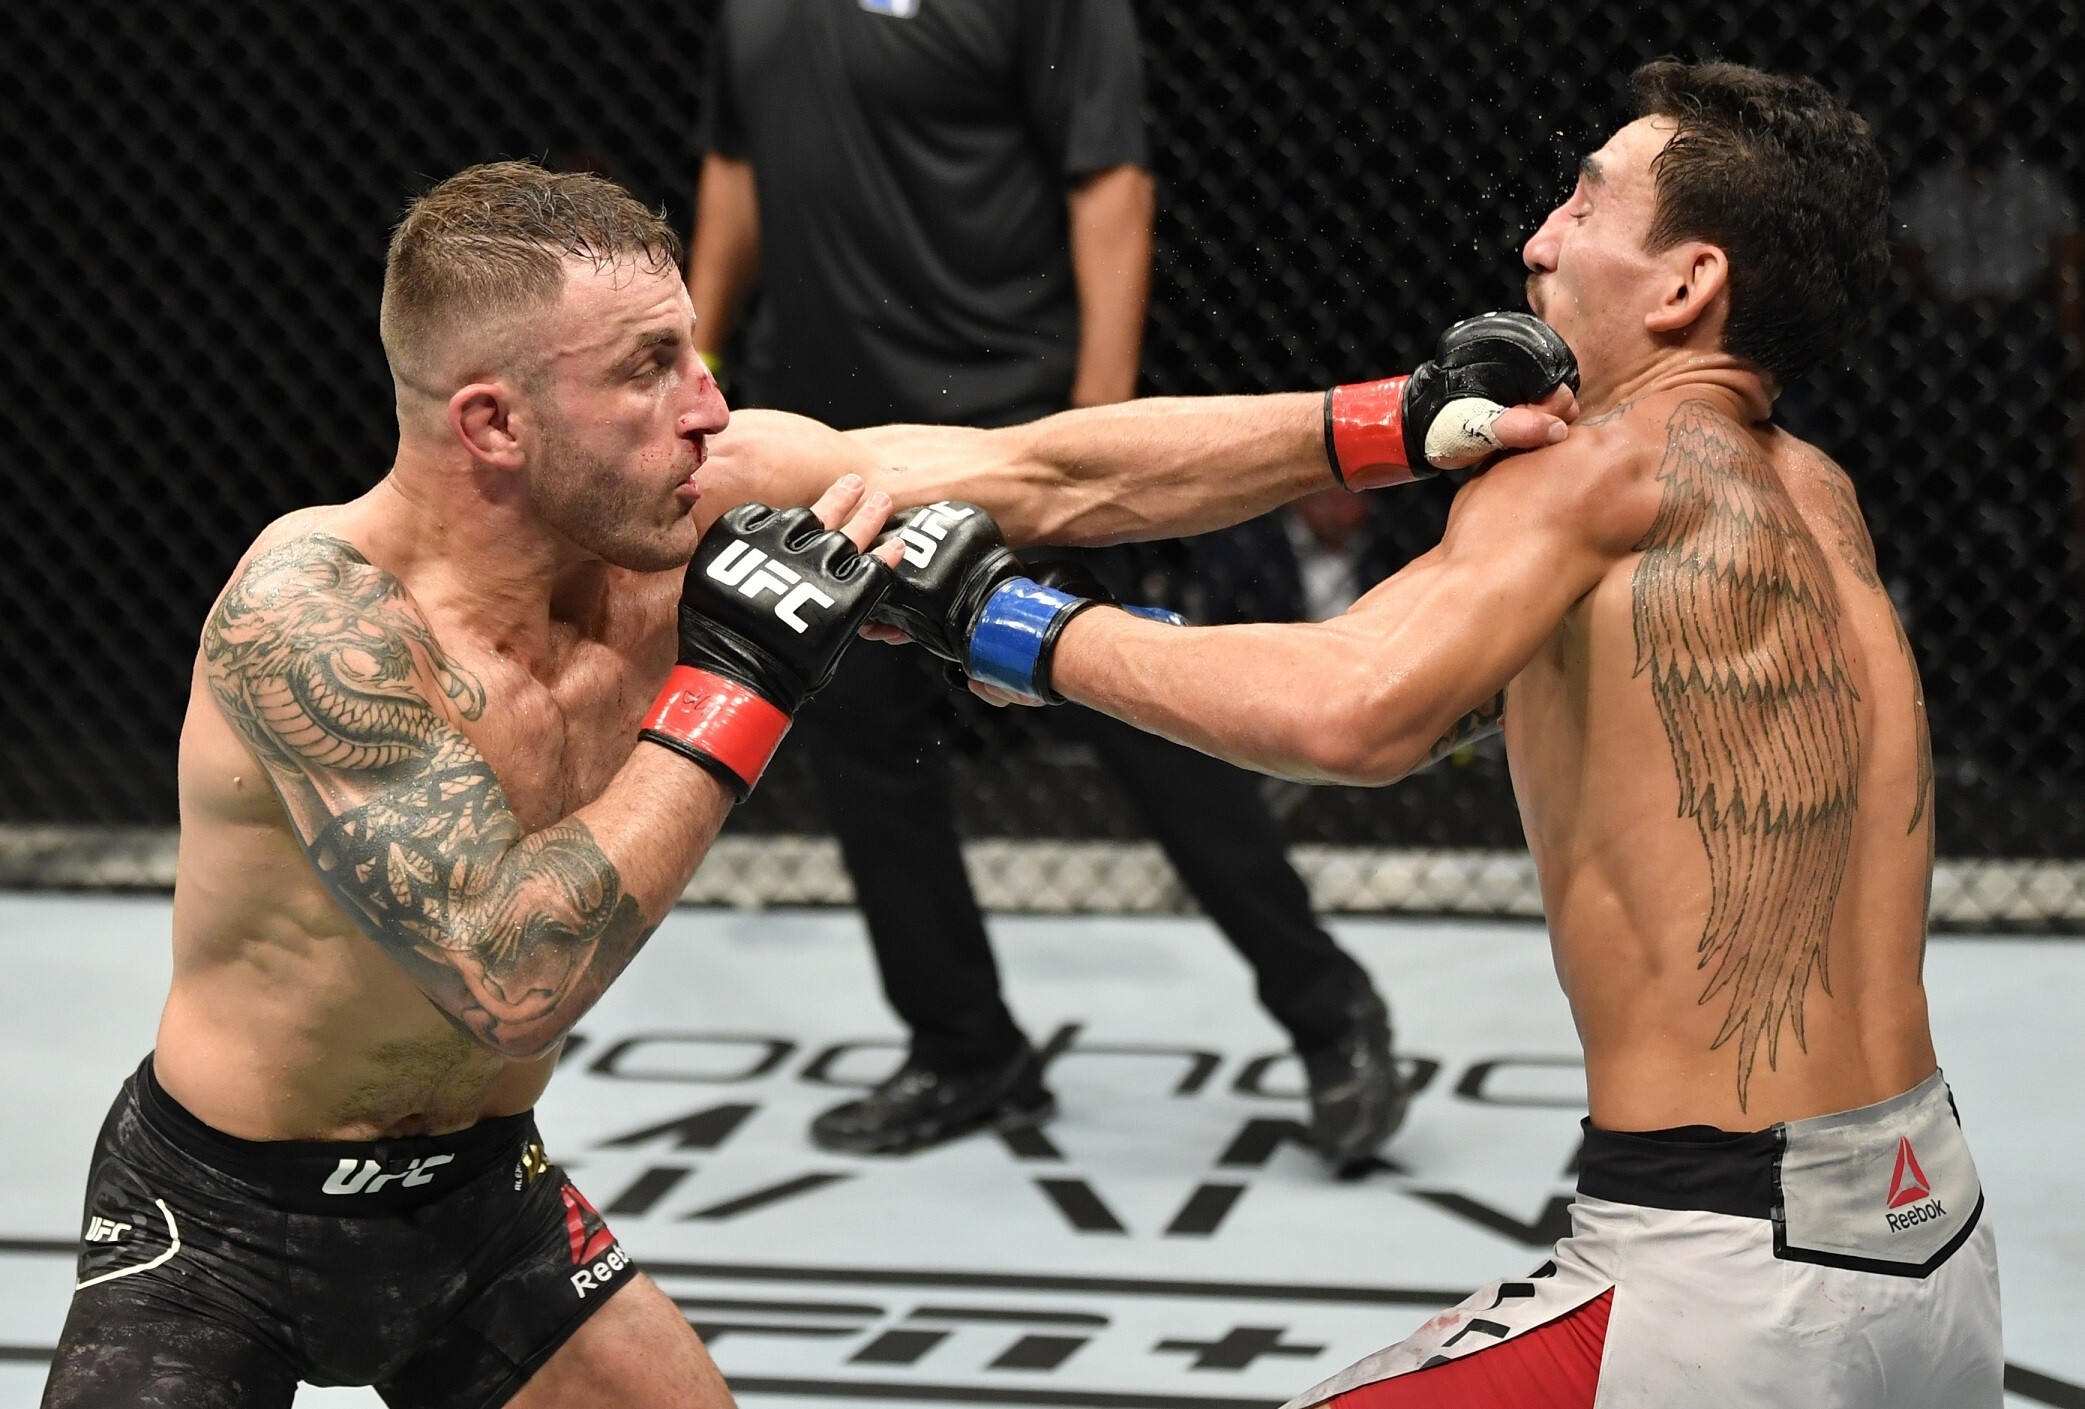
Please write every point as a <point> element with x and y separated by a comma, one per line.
<point>1705,1169</point>
<point>342,1178</point>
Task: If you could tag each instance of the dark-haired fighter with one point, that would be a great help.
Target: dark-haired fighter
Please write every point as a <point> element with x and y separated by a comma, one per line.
<point>1716,735</point>
<point>420,835</point>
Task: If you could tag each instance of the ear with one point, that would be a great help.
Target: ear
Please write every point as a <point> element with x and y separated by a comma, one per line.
<point>484,416</point>
<point>1697,277</point>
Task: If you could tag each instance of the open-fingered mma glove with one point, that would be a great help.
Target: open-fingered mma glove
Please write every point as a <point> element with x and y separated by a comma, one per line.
<point>964,596</point>
<point>1440,417</point>
<point>770,602</point>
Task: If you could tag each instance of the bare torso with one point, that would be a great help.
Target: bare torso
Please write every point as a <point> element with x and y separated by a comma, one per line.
<point>1720,754</point>
<point>1721,763</point>
<point>285,1021</point>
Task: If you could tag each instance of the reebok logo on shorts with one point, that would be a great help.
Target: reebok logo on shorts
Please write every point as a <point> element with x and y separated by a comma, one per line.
<point>587,1230</point>
<point>752,572</point>
<point>595,1253</point>
<point>1909,1185</point>
<point>1907,1181</point>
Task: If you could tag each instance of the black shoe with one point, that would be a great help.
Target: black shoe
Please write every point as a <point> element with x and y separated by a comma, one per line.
<point>1358,1099</point>
<point>918,1107</point>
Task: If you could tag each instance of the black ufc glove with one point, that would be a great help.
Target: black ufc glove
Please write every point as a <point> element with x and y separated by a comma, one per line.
<point>963,596</point>
<point>954,559</point>
<point>769,603</point>
<point>1439,417</point>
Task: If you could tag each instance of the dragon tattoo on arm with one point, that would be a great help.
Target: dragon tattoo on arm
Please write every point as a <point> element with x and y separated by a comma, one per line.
<point>1736,619</point>
<point>330,673</point>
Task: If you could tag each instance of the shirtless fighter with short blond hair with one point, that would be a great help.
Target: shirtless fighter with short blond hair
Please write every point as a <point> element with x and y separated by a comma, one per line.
<point>452,751</point>
<point>420,835</point>
<point>1716,735</point>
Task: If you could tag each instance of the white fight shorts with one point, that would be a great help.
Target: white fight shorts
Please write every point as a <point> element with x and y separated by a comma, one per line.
<point>1843,1262</point>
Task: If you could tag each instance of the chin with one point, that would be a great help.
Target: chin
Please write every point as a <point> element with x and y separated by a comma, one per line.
<point>665,550</point>
<point>673,549</point>
<point>663,555</point>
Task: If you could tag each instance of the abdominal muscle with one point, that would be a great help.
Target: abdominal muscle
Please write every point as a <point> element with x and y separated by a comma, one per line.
<point>284,1021</point>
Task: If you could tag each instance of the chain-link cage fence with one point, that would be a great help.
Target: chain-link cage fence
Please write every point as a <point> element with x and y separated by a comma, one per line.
<point>198,198</point>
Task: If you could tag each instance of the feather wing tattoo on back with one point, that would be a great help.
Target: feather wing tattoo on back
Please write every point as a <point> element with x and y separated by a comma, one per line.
<point>1736,623</point>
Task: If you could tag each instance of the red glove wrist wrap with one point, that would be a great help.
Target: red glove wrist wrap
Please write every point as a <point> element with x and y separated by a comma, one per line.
<point>1364,434</point>
<point>706,715</point>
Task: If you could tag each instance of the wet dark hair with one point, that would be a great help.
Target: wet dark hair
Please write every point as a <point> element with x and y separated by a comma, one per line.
<point>1788,182</point>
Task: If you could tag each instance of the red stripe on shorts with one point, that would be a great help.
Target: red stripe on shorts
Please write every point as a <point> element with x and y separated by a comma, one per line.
<point>1554,1366</point>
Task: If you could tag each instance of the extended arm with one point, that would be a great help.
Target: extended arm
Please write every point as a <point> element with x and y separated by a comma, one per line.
<point>1111,213</point>
<point>1417,668</point>
<point>1143,469</point>
<point>330,674</point>
<point>1150,469</point>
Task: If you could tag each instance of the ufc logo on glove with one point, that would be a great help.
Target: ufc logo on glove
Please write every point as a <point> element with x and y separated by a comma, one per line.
<point>752,572</point>
<point>924,534</point>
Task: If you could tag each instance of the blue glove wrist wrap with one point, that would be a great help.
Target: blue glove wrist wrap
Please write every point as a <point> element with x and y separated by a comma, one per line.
<point>1007,643</point>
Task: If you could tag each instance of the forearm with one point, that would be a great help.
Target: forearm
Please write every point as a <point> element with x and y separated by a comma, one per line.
<point>724,255</point>
<point>1297,700</point>
<point>1155,468</point>
<point>1146,469</point>
<point>655,822</point>
<point>1110,223</point>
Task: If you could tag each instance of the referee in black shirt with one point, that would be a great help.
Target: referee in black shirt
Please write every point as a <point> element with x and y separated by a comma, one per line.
<point>947,208</point>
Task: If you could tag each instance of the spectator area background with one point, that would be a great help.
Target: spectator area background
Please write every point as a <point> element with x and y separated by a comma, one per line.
<point>197,198</point>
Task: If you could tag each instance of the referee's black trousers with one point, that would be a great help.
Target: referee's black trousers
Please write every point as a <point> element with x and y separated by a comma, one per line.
<point>875,744</point>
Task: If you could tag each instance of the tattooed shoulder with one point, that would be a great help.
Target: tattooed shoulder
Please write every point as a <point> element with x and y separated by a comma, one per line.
<point>1737,626</point>
<point>1849,529</point>
<point>315,655</point>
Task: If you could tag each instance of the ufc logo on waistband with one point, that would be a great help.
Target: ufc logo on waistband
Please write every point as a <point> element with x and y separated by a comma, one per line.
<point>365,1176</point>
<point>752,572</point>
<point>924,534</point>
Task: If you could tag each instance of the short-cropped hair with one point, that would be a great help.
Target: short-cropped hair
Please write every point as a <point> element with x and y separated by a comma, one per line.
<point>492,241</point>
<point>1788,182</point>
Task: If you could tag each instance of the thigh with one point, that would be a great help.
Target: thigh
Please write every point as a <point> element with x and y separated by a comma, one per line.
<point>636,1351</point>
<point>127,1347</point>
